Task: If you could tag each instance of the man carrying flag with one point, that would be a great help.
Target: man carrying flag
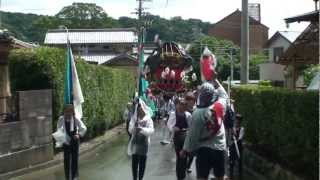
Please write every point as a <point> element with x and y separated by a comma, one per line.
<point>69,124</point>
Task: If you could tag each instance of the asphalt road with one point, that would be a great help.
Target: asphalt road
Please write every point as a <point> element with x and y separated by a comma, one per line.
<point>112,163</point>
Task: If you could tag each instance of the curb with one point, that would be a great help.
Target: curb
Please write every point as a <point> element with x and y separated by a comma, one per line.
<point>91,146</point>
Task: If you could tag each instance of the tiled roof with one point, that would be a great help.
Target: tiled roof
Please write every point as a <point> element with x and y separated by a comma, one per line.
<point>99,58</point>
<point>290,35</point>
<point>310,16</point>
<point>19,43</point>
<point>89,36</point>
<point>305,49</point>
<point>116,59</point>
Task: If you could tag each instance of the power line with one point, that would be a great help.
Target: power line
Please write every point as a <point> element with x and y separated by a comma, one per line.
<point>165,8</point>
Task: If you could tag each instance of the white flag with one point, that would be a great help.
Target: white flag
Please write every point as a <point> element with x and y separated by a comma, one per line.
<point>76,89</point>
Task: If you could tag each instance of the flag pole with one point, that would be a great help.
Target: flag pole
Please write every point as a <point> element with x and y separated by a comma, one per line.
<point>68,45</point>
<point>141,39</point>
<point>68,85</point>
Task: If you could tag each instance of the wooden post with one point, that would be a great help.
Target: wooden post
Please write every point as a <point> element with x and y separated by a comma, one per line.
<point>294,74</point>
<point>5,93</point>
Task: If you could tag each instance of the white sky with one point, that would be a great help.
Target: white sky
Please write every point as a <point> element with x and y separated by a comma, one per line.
<point>272,11</point>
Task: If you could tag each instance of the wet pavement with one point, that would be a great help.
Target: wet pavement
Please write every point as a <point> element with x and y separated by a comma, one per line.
<point>112,163</point>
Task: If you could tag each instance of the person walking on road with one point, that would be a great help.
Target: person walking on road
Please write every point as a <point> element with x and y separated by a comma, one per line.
<point>74,129</point>
<point>178,124</point>
<point>140,127</point>
<point>206,136</point>
<point>191,106</point>
<point>127,114</point>
<point>168,108</point>
<point>236,146</point>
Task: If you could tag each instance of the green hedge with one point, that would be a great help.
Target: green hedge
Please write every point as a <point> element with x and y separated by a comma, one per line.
<point>282,125</point>
<point>105,90</point>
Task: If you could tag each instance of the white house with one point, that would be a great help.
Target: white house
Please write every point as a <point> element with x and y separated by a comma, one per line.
<point>95,45</point>
<point>276,46</point>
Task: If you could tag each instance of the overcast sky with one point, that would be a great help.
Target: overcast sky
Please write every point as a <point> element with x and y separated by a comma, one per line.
<point>272,11</point>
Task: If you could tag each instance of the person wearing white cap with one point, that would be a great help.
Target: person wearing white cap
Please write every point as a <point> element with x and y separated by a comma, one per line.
<point>140,127</point>
<point>206,136</point>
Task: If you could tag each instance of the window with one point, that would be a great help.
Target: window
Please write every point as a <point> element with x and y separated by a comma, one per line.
<point>277,52</point>
<point>106,47</point>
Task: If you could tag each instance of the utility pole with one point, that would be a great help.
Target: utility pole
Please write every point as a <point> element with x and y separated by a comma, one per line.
<point>141,37</point>
<point>316,4</point>
<point>244,76</point>
<point>231,64</point>
<point>0,15</point>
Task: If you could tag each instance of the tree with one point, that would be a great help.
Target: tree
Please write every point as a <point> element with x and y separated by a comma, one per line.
<point>222,49</point>
<point>175,29</point>
<point>82,11</point>
<point>254,62</point>
<point>20,25</point>
<point>310,72</point>
<point>77,16</point>
<point>85,15</point>
<point>30,27</point>
<point>127,22</point>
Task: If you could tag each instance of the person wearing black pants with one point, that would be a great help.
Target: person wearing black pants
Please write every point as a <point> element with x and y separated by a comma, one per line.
<point>178,123</point>
<point>190,158</point>
<point>70,155</point>
<point>191,106</point>
<point>73,128</point>
<point>181,162</point>
<point>238,133</point>
<point>138,165</point>
<point>206,134</point>
<point>141,127</point>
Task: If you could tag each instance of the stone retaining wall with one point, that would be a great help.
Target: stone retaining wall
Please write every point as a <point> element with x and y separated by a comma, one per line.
<point>265,168</point>
<point>28,141</point>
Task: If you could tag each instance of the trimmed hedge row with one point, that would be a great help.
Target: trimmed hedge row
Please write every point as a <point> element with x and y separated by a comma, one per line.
<point>106,91</point>
<point>282,125</point>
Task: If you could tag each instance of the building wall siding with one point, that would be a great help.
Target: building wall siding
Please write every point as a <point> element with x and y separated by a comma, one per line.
<point>280,42</point>
<point>230,29</point>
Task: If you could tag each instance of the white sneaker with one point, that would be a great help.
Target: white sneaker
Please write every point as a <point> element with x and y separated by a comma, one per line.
<point>211,177</point>
<point>164,142</point>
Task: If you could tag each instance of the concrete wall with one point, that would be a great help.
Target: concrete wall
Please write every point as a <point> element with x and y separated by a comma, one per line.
<point>271,71</point>
<point>28,141</point>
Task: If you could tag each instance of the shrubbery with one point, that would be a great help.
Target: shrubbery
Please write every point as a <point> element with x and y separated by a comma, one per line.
<point>105,90</point>
<point>282,125</point>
